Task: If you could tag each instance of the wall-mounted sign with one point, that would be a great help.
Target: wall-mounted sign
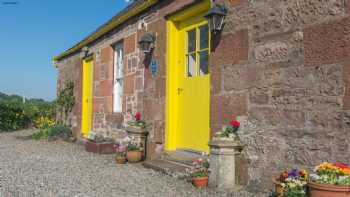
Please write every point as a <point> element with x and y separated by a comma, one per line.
<point>154,67</point>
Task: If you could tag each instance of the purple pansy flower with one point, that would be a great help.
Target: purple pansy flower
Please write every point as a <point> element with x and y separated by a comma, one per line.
<point>293,173</point>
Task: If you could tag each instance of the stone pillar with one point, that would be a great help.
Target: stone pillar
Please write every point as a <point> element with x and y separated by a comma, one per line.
<point>140,137</point>
<point>222,163</point>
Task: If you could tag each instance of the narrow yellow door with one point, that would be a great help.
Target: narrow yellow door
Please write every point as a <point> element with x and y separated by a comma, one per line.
<point>188,82</point>
<point>86,116</point>
<point>194,86</point>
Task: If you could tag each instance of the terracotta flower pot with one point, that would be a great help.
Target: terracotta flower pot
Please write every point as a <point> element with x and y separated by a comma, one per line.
<point>120,160</point>
<point>324,190</point>
<point>200,181</point>
<point>134,156</point>
<point>278,187</point>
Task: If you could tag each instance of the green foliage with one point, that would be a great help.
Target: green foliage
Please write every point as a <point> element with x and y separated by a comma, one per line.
<point>120,154</point>
<point>295,193</point>
<point>137,123</point>
<point>12,117</point>
<point>228,131</point>
<point>199,168</point>
<point>66,99</point>
<point>41,134</point>
<point>35,110</point>
<point>200,174</point>
<point>133,147</point>
<point>59,130</point>
<point>56,131</point>
<point>10,98</point>
<point>15,115</point>
<point>345,180</point>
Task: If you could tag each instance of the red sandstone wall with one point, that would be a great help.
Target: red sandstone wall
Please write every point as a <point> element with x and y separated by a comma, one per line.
<point>281,67</point>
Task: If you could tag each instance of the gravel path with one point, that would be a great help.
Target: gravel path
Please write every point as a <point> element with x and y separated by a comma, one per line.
<point>49,169</point>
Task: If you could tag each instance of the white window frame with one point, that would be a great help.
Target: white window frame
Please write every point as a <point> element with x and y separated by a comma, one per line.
<point>118,79</point>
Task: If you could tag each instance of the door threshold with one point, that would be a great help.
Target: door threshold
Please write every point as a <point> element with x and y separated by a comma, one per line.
<point>189,151</point>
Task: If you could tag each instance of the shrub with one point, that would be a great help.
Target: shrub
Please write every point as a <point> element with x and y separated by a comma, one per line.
<point>60,131</point>
<point>36,110</point>
<point>41,134</point>
<point>53,132</point>
<point>15,115</point>
<point>44,122</point>
<point>12,117</point>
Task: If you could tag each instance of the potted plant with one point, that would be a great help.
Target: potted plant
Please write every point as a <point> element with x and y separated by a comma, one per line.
<point>136,129</point>
<point>199,172</point>
<point>137,121</point>
<point>120,155</point>
<point>330,179</point>
<point>291,184</point>
<point>230,130</point>
<point>134,153</point>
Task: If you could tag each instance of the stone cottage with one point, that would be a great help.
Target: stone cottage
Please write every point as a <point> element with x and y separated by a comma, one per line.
<point>281,67</point>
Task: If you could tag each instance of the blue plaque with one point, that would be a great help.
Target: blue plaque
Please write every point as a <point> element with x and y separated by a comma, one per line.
<point>154,65</point>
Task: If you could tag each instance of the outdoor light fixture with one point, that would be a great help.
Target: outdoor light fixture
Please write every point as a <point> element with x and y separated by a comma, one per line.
<point>216,17</point>
<point>84,52</point>
<point>146,43</point>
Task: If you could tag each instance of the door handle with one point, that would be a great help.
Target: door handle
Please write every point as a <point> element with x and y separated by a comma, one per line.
<point>179,90</point>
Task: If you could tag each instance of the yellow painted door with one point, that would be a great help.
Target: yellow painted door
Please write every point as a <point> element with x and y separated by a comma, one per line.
<point>188,80</point>
<point>194,86</point>
<point>86,116</point>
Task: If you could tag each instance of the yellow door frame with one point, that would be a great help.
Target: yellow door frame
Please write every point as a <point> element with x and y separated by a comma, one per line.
<point>174,36</point>
<point>86,116</point>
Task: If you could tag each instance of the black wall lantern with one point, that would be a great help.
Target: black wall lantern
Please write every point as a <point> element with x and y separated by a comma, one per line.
<point>146,43</point>
<point>216,17</point>
<point>84,52</point>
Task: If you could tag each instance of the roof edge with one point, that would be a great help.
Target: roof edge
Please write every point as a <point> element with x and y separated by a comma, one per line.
<point>127,13</point>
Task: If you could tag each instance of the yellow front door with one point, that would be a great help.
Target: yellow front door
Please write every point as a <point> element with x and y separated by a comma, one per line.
<point>86,116</point>
<point>188,81</point>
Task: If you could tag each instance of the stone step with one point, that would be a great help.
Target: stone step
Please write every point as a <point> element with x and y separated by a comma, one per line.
<point>174,169</point>
<point>181,156</point>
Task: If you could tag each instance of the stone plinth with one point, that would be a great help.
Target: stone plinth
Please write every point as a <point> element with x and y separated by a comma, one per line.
<point>222,163</point>
<point>139,134</point>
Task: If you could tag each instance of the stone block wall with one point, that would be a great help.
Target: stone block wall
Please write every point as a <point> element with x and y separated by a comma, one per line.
<point>142,92</point>
<point>282,67</point>
<point>67,71</point>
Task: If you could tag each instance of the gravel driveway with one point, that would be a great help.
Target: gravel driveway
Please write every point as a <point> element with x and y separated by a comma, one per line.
<point>49,169</point>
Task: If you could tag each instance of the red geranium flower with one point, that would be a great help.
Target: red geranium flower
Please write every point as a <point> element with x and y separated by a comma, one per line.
<point>341,165</point>
<point>138,116</point>
<point>235,123</point>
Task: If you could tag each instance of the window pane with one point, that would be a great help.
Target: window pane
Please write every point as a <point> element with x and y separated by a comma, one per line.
<point>204,37</point>
<point>203,63</point>
<point>118,96</point>
<point>118,61</point>
<point>191,41</point>
<point>191,65</point>
<point>118,80</point>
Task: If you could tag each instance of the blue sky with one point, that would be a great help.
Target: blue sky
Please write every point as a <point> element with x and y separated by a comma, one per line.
<point>33,31</point>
